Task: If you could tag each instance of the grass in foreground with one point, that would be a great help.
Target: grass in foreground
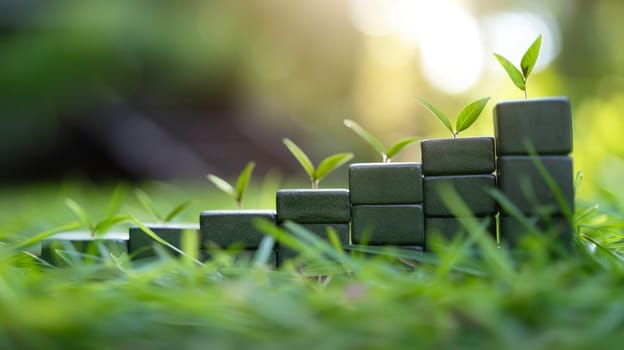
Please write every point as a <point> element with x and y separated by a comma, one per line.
<point>368,299</point>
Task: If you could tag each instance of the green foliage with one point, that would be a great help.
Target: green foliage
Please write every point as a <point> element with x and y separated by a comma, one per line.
<point>325,167</point>
<point>148,204</point>
<point>465,119</point>
<point>520,76</point>
<point>112,217</point>
<point>448,298</point>
<point>242,183</point>
<point>386,154</point>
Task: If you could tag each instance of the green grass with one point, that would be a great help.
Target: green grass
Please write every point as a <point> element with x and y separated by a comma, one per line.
<point>368,299</point>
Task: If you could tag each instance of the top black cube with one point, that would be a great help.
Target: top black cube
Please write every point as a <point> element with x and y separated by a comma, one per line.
<point>544,124</point>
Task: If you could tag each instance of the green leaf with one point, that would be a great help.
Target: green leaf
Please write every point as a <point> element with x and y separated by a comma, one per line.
<point>177,210</point>
<point>222,184</point>
<point>530,57</point>
<point>243,180</point>
<point>82,214</point>
<point>104,225</point>
<point>147,203</point>
<point>437,114</point>
<point>512,71</point>
<point>366,136</point>
<point>157,238</point>
<point>470,114</point>
<point>330,164</point>
<point>117,199</point>
<point>400,145</point>
<point>300,156</point>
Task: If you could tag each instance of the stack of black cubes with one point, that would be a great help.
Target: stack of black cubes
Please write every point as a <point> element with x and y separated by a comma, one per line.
<point>387,204</point>
<point>534,140</point>
<point>464,166</point>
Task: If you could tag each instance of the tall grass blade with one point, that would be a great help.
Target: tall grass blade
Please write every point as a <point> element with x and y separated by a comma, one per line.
<point>177,210</point>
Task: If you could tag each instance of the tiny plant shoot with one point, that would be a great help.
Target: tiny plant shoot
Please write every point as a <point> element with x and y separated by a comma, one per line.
<point>148,204</point>
<point>326,166</point>
<point>520,76</point>
<point>465,119</point>
<point>237,192</point>
<point>386,154</point>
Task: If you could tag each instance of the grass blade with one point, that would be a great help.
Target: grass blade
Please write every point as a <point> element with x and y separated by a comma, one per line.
<point>243,180</point>
<point>301,157</point>
<point>513,72</point>
<point>367,136</point>
<point>178,209</point>
<point>104,225</point>
<point>265,249</point>
<point>530,57</point>
<point>470,114</point>
<point>437,114</point>
<point>117,199</point>
<point>400,145</point>
<point>147,204</point>
<point>330,164</point>
<point>82,214</point>
<point>222,184</point>
<point>157,238</point>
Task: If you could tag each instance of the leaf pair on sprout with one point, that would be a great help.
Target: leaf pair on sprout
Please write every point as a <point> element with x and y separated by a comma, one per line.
<point>238,191</point>
<point>520,76</point>
<point>386,154</point>
<point>465,119</point>
<point>325,167</point>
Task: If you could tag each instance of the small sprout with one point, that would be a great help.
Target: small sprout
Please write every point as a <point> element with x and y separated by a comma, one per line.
<point>386,154</point>
<point>112,217</point>
<point>241,184</point>
<point>326,166</point>
<point>148,205</point>
<point>520,76</point>
<point>465,119</point>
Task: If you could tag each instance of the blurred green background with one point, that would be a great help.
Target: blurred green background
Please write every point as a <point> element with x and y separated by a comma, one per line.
<point>141,90</point>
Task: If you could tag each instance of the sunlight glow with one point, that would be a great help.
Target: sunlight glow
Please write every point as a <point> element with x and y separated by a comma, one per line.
<point>446,34</point>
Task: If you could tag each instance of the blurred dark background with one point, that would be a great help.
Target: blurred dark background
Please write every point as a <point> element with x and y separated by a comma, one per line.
<point>141,90</point>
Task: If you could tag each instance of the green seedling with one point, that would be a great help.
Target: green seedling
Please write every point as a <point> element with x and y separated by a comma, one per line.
<point>465,119</point>
<point>111,219</point>
<point>148,205</point>
<point>325,167</point>
<point>520,76</point>
<point>386,154</point>
<point>238,191</point>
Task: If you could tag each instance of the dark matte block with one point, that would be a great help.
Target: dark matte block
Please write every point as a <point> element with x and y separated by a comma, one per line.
<point>82,242</point>
<point>545,123</point>
<point>521,182</point>
<point>313,206</point>
<point>470,188</point>
<point>458,156</point>
<point>385,183</point>
<point>389,224</point>
<point>141,245</point>
<point>342,230</point>
<point>450,228</point>
<point>513,231</point>
<point>227,227</point>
